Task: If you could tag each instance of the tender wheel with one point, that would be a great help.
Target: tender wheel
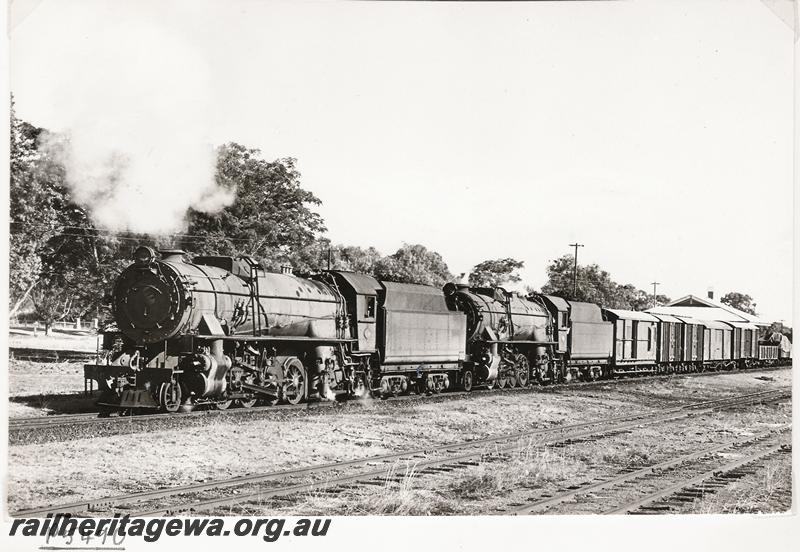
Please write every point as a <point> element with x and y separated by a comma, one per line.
<point>169,396</point>
<point>512,381</point>
<point>523,370</point>
<point>294,382</point>
<point>466,381</point>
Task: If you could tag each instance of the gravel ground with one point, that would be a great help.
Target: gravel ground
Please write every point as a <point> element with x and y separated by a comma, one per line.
<point>230,446</point>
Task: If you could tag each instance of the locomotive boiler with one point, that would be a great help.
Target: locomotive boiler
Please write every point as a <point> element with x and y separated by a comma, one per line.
<point>508,336</point>
<point>219,330</point>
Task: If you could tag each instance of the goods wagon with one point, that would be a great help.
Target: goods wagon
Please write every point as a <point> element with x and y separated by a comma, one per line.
<point>670,341</point>
<point>744,343</point>
<point>692,340</point>
<point>717,344</point>
<point>634,340</point>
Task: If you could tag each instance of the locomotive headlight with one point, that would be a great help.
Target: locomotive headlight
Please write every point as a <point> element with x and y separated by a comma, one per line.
<point>144,256</point>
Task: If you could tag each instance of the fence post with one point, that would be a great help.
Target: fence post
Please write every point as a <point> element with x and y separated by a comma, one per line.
<point>78,323</point>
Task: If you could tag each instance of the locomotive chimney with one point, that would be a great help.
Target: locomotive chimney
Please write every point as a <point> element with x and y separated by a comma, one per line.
<point>711,293</point>
<point>286,269</point>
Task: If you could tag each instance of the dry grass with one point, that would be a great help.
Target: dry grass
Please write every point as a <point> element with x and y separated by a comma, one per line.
<point>769,491</point>
<point>104,465</point>
<point>529,467</point>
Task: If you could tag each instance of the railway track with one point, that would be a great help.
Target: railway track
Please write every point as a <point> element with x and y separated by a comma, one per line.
<point>715,473</point>
<point>58,420</point>
<point>339,476</point>
<point>677,496</point>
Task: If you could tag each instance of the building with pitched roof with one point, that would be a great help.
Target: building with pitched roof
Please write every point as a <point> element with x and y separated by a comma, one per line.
<point>707,308</point>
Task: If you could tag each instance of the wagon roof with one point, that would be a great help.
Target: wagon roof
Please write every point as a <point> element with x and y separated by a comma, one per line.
<point>666,317</point>
<point>743,325</point>
<point>689,320</point>
<point>715,324</point>
<point>632,315</point>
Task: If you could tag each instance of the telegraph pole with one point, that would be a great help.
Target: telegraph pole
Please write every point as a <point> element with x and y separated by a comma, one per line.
<point>576,245</point>
<point>654,293</point>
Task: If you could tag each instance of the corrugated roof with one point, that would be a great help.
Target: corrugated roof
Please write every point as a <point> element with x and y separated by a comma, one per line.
<point>743,325</point>
<point>713,303</point>
<point>715,324</point>
<point>667,318</point>
<point>702,313</point>
<point>632,315</point>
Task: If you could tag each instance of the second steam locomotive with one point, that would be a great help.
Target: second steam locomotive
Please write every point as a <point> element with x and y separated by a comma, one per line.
<point>222,331</point>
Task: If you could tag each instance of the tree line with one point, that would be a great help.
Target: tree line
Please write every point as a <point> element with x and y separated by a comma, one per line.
<point>62,265</point>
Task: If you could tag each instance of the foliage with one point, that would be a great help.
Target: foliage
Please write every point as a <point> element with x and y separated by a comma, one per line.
<point>494,273</point>
<point>342,257</point>
<point>57,260</point>
<point>595,286</point>
<point>271,218</point>
<point>779,327</point>
<point>414,264</point>
<point>740,301</point>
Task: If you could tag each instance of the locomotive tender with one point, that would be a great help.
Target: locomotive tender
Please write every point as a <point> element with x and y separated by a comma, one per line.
<point>221,331</point>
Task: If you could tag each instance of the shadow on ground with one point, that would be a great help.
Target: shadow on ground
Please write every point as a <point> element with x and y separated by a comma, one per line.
<point>58,403</point>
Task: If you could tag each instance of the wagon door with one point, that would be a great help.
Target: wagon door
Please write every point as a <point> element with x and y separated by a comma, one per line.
<point>629,339</point>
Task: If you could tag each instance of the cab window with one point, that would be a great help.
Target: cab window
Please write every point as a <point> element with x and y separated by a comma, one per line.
<point>369,312</point>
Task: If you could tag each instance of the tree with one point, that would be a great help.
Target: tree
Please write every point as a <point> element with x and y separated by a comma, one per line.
<point>595,286</point>
<point>342,257</point>
<point>495,272</point>
<point>414,264</point>
<point>32,214</point>
<point>271,218</point>
<point>740,301</point>
<point>779,328</point>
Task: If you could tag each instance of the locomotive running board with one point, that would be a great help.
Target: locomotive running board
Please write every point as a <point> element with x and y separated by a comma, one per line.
<point>519,342</point>
<point>277,338</point>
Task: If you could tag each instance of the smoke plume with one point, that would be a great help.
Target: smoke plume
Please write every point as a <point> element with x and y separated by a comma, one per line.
<point>135,114</point>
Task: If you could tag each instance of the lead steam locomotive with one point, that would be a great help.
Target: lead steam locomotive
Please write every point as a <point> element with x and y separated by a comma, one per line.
<point>222,331</point>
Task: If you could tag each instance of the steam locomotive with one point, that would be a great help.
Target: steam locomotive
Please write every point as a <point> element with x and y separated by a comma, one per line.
<point>222,331</point>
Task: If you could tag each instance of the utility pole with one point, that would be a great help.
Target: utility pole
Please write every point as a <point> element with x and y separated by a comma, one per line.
<point>654,293</point>
<point>576,245</point>
<point>330,257</point>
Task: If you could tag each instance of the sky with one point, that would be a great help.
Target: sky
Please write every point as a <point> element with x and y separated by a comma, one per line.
<point>659,135</point>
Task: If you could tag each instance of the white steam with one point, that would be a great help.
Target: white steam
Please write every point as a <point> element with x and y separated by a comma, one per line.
<point>135,113</point>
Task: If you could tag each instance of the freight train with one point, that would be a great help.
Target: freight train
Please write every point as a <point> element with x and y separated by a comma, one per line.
<point>222,331</point>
